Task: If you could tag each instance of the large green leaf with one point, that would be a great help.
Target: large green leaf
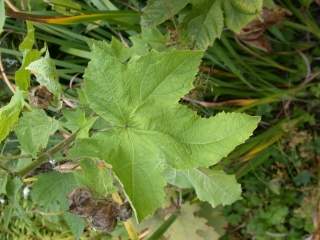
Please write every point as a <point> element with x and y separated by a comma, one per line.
<point>9,114</point>
<point>34,129</point>
<point>149,129</point>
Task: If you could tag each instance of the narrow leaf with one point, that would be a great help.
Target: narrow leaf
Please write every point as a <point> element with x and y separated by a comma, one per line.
<point>22,75</point>
<point>9,114</point>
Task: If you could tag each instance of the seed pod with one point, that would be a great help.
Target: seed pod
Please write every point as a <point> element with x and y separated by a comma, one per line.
<point>105,215</point>
<point>81,202</point>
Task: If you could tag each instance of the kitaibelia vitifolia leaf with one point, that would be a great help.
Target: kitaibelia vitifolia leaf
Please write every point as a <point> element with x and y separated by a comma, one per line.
<point>149,130</point>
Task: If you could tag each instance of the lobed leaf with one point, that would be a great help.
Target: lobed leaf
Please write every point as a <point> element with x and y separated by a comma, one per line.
<point>149,130</point>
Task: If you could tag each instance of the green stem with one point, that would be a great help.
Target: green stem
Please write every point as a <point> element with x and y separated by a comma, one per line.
<point>46,155</point>
<point>163,227</point>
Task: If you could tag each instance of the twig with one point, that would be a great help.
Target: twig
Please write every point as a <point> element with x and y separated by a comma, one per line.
<point>133,235</point>
<point>5,78</point>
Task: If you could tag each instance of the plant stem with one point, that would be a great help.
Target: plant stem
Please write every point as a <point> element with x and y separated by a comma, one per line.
<point>133,235</point>
<point>46,155</point>
<point>157,234</point>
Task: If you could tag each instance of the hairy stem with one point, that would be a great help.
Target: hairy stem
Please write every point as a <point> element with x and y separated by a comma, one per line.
<point>46,155</point>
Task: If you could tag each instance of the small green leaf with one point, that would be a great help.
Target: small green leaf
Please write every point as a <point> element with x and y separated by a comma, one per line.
<point>202,23</point>
<point>34,129</point>
<point>2,15</point>
<point>205,23</point>
<point>46,74</point>
<point>158,11</point>
<point>213,186</point>
<point>22,75</point>
<point>96,177</point>
<point>9,114</point>
<point>189,226</point>
<point>239,13</point>
<point>52,188</point>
